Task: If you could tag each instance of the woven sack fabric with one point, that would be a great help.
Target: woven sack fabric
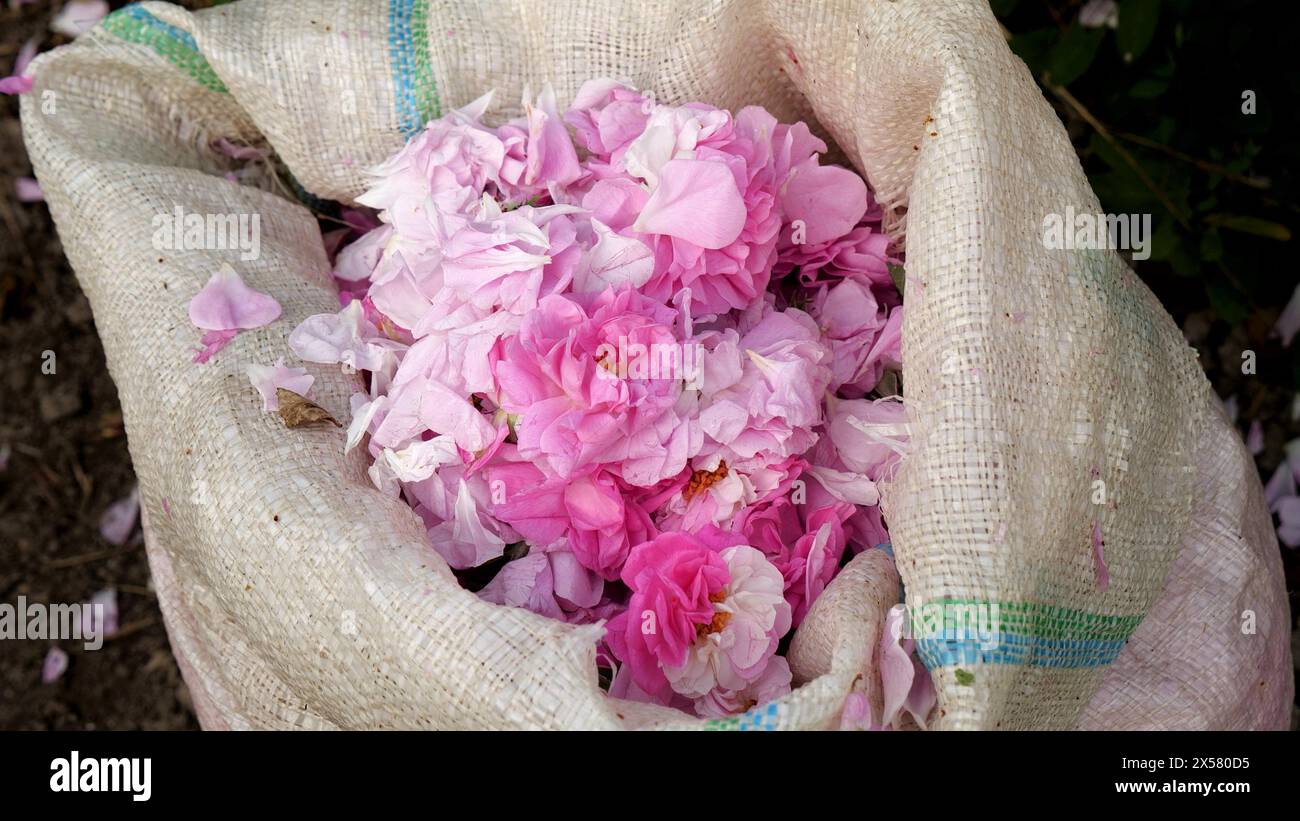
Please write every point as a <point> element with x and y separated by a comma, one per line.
<point>296,596</point>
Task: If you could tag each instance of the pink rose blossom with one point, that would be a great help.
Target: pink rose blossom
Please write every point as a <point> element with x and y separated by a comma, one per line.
<point>456,505</point>
<point>508,260</point>
<point>596,511</point>
<point>869,363</point>
<point>771,684</point>
<point>750,615</point>
<point>804,536</point>
<point>869,436</point>
<point>587,360</point>
<point>723,491</point>
<point>606,117</point>
<point>551,581</point>
<point>763,389</point>
<point>675,580</point>
<point>538,151</point>
<point>455,152</point>
<point>559,375</point>
<point>713,215</point>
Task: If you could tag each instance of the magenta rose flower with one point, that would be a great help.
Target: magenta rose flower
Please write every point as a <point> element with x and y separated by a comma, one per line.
<point>674,579</point>
<point>703,617</point>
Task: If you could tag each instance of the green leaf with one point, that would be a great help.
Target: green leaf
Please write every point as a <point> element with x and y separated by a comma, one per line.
<point>1120,191</point>
<point>1211,246</point>
<point>897,274</point>
<point>1184,264</point>
<point>964,678</point>
<point>1137,24</point>
<point>1165,131</point>
<point>1073,54</point>
<point>1106,151</point>
<point>1230,303</point>
<point>1165,240</point>
<point>1034,47</point>
<point>1251,225</point>
<point>1148,88</point>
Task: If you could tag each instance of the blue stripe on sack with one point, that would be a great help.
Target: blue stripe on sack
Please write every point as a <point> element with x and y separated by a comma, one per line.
<point>764,718</point>
<point>401,48</point>
<point>1010,648</point>
<point>135,12</point>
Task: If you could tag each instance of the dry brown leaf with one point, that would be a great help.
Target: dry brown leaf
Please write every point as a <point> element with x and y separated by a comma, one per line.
<point>297,411</point>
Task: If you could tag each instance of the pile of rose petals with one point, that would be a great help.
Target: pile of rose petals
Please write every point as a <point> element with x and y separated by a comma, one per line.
<point>624,363</point>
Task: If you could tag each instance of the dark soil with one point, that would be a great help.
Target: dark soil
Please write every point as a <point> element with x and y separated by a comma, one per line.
<point>68,462</point>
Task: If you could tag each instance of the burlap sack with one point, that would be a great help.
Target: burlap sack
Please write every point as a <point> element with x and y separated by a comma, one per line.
<point>296,596</point>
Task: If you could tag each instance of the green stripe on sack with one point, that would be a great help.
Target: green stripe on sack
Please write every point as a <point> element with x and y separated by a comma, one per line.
<point>763,717</point>
<point>952,632</point>
<point>426,91</point>
<point>133,24</point>
<point>1034,619</point>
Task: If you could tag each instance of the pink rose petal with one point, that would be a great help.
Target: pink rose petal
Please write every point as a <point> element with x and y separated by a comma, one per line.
<point>696,201</point>
<point>267,378</point>
<point>78,16</point>
<point>25,56</point>
<point>239,152</point>
<point>118,521</point>
<point>828,199</point>
<point>99,616</point>
<point>212,341</point>
<point>1255,438</point>
<point>896,668</point>
<point>54,666</point>
<point>28,190</point>
<point>1288,324</point>
<point>857,714</point>
<point>226,303</point>
<point>15,85</point>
